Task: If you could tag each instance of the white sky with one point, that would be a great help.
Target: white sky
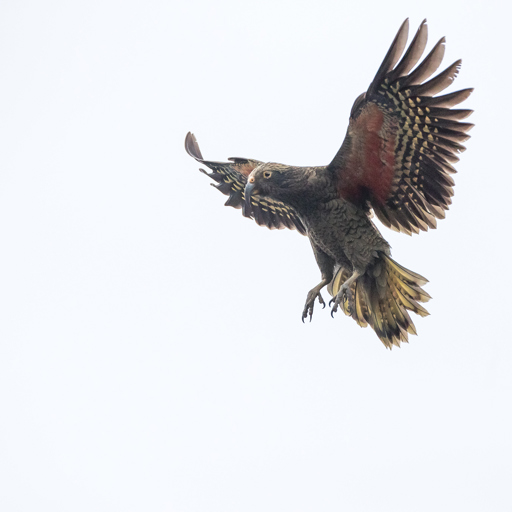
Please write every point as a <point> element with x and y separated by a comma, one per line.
<point>152,355</point>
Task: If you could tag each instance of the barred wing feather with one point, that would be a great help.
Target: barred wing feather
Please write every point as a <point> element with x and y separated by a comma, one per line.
<point>402,140</point>
<point>231,178</point>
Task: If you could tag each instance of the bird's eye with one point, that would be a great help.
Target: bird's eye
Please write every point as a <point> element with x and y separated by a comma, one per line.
<point>267,174</point>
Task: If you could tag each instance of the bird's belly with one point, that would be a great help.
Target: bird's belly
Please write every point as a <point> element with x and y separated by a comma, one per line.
<point>346,234</point>
<point>329,240</point>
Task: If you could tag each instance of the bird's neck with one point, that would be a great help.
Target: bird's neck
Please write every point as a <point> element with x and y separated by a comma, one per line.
<point>308,187</point>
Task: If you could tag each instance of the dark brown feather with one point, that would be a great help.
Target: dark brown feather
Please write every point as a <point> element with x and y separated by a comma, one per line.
<point>400,131</point>
<point>396,159</point>
<point>231,178</point>
<point>413,53</point>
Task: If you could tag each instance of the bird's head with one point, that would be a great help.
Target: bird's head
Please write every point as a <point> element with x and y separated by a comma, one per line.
<point>277,181</point>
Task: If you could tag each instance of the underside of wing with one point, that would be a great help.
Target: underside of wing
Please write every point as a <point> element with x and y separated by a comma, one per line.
<point>231,178</point>
<point>403,139</point>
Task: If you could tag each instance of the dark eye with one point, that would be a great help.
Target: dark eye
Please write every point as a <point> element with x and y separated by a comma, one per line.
<point>267,174</point>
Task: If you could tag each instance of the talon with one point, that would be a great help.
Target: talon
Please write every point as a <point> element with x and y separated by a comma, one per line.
<point>305,313</point>
<point>334,307</point>
<point>310,300</point>
<point>345,298</point>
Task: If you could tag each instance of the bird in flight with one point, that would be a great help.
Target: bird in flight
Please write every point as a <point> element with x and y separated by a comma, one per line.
<point>396,161</point>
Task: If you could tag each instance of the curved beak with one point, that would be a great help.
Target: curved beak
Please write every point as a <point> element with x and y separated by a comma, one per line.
<point>250,189</point>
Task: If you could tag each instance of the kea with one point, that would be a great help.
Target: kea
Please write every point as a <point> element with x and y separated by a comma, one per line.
<point>396,163</point>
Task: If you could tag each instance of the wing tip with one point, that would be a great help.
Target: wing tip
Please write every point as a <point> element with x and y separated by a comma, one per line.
<point>192,147</point>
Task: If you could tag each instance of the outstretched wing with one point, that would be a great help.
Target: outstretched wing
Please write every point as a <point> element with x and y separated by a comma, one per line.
<point>231,178</point>
<point>402,140</point>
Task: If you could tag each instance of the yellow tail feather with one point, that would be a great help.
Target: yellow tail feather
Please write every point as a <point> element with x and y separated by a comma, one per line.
<point>382,298</point>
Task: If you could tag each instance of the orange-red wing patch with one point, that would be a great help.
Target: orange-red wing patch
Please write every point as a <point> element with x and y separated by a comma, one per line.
<point>244,165</point>
<point>403,138</point>
<point>369,169</point>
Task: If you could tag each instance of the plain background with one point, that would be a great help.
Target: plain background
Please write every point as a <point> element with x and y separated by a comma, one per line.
<point>152,355</point>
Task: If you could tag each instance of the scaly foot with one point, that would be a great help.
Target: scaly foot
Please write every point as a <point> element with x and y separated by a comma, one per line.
<point>310,303</point>
<point>344,295</point>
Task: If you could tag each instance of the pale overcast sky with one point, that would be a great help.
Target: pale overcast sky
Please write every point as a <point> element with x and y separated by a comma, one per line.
<point>152,356</point>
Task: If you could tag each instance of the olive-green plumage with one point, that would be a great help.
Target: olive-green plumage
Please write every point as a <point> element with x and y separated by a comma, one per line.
<point>396,161</point>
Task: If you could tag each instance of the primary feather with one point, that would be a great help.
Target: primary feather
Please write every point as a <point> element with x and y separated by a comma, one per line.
<point>396,160</point>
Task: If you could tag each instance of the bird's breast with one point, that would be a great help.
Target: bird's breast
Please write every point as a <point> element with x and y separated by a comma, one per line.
<point>344,232</point>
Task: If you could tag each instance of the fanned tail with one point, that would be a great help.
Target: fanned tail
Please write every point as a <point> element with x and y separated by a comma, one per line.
<point>382,298</point>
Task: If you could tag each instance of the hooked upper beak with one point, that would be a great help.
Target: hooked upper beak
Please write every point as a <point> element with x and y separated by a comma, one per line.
<point>250,189</point>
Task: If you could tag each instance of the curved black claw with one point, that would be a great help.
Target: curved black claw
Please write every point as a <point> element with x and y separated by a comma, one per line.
<point>334,308</point>
<point>345,294</point>
<point>310,303</point>
<point>334,303</point>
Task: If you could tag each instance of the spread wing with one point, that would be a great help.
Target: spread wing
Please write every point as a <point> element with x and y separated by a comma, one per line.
<point>402,140</point>
<point>231,178</point>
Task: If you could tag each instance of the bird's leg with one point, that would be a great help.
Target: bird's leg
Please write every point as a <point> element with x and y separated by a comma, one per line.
<point>345,293</point>
<point>310,301</point>
<point>326,266</point>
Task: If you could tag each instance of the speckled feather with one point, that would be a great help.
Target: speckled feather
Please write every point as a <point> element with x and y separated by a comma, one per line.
<point>401,141</point>
<point>231,178</point>
<point>396,160</point>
